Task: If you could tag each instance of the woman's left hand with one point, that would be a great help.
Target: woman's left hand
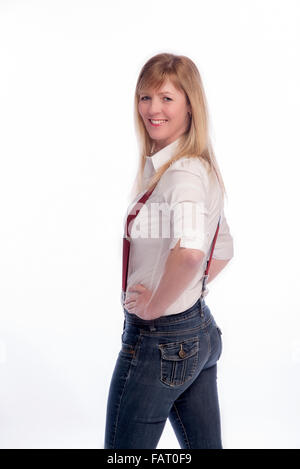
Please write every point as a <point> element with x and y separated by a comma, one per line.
<point>137,301</point>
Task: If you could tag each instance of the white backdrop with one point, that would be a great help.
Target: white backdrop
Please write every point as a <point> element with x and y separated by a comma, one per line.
<point>68,158</point>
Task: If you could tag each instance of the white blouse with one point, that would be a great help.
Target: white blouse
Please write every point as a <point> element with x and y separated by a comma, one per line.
<point>186,204</point>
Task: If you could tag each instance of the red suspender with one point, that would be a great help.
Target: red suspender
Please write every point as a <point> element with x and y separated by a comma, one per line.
<point>126,243</point>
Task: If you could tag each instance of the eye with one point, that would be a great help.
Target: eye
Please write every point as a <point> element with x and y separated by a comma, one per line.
<point>142,98</point>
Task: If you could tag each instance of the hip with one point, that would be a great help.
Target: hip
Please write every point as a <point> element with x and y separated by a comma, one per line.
<point>176,347</point>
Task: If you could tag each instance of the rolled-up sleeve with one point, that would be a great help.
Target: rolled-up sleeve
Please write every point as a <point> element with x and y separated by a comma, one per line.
<point>186,196</point>
<point>224,243</point>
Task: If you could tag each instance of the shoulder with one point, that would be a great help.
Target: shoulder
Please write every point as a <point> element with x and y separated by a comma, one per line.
<point>191,177</point>
<point>195,165</point>
<point>187,169</point>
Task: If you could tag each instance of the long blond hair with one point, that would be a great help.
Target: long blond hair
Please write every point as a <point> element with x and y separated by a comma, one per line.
<point>195,142</point>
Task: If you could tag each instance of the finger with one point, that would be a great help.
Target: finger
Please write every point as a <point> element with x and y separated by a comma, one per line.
<point>131,298</point>
<point>130,309</point>
<point>128,303</point>
<point>137,288</point>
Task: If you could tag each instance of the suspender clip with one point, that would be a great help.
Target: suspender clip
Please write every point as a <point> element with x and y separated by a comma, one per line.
<point>123,297</point>
<point>205,277</point>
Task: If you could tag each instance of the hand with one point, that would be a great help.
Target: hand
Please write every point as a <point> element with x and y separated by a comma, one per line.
<point>137,302</point>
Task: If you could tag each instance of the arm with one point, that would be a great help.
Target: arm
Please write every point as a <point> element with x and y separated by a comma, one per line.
<point>215,268</point>
<point>181,267</point>
<point>223,251</point>
<point>185,188</point>
<point>185,192</point>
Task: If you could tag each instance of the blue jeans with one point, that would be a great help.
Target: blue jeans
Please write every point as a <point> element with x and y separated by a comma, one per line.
<point>166,368</point>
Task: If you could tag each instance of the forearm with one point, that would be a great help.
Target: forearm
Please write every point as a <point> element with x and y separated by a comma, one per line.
<point>215,268</point>
<point>179,271</point>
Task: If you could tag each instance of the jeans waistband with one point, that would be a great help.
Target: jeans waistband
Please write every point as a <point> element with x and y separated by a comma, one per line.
<point>166,320</point>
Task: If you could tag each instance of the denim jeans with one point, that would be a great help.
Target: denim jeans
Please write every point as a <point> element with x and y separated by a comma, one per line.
<point>166,368</point>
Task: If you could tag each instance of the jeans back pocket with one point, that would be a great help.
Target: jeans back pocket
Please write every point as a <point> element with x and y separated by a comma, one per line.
<point>179,361</point>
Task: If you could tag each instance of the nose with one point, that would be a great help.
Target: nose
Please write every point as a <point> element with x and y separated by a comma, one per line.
<point>154,108</point>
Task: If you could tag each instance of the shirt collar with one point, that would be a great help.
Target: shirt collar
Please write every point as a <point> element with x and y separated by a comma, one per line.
<point>162,156</point>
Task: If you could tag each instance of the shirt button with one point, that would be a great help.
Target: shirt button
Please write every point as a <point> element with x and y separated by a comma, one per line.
<point>181,353</point>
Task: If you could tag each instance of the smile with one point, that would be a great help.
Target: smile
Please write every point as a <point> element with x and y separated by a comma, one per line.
<point>157,123</point>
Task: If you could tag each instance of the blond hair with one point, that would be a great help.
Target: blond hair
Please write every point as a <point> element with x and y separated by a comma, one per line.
<point>195,142</point>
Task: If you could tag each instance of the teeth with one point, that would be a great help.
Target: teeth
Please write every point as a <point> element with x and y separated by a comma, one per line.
<point>157,122</point>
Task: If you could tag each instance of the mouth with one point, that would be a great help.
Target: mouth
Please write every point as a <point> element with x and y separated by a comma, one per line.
<point>157,122</point>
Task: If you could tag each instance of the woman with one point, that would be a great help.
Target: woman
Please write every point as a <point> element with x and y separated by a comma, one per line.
<point>167,365</point>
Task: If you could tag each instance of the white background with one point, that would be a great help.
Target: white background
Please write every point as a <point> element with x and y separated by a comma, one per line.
<point>68,157</point>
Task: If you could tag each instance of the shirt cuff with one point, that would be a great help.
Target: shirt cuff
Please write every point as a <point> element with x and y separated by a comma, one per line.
<point>190,242</point>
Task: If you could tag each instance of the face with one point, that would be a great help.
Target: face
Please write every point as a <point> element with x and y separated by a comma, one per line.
<point>168,106</point>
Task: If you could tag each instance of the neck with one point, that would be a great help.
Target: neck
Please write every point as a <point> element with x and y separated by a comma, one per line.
<point>154,150</point>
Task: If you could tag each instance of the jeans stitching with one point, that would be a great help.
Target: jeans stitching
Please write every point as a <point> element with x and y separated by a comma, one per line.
<point>129,351</point>
<point>220,342</point>
<point>181,341</point>
<point>119,406</point>
<point>128,374</point>
<point>184,380</point>
<point>182,427</point>
<point>175,321</point>
<point>193,329</point>
<point>137,349</point>
<point>209,343</point>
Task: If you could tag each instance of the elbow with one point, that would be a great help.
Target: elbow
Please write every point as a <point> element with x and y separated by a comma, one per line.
<point>193,257</point>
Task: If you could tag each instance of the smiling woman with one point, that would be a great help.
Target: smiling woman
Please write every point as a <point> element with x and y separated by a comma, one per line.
<point>165,113</point>
<point>170,342</point>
